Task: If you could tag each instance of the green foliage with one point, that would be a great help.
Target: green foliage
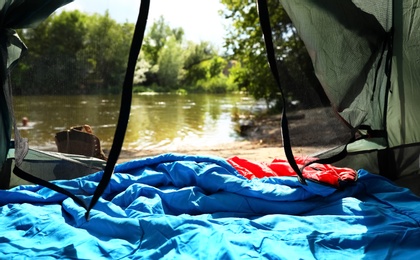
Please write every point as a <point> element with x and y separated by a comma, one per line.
<point>216,66</point>
<point>142,67</point>
<point>181,91</point>
<point>246,43</point>
<point>157,37</point>
<point>107,45</point>
<point>196,54</point>
<point>53,58</point>
<point>74,53</point>
<point>176,65</point>
<point>77,53</point>
<point>140,89</point>
<point>215,85</point>
<point>170,63</point>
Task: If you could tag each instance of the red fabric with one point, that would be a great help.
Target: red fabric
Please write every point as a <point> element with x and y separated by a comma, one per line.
<point>324,173</point>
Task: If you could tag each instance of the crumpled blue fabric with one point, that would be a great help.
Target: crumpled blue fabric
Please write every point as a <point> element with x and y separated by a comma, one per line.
<point>175,206</point>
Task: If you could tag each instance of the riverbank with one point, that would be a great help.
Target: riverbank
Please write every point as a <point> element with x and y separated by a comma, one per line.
<point>311,132</point>
<point>245,149</point>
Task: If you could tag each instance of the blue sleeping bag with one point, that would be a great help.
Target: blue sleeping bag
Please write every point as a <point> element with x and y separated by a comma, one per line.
<point>175,206</point>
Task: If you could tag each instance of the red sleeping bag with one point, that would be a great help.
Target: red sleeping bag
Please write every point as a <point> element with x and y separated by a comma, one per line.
<point>323,173</point>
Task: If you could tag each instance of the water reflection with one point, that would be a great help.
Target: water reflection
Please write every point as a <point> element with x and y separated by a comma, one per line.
<point>156,121</point>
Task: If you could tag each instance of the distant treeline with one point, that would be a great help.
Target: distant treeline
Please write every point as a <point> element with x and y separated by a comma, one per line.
<point>77,53</point>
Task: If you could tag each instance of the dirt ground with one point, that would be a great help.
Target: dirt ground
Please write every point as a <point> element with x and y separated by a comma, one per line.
<point>311,131</point>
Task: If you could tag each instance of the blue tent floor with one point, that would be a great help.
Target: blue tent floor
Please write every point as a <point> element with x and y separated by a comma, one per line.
<point>176,206</point>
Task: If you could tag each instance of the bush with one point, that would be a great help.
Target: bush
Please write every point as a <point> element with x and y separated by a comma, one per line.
<point>215,85</point>
<point>140,89</point>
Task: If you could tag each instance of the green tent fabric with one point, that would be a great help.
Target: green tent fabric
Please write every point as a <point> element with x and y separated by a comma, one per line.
<point>365,54</point>
<point>16,14</point>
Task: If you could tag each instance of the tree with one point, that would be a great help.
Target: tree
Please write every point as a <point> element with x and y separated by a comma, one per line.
<point>142,67</point>
<point>156,39</point>
<point>170,62</point>
<point>73,53</point>
<point>77,53</point>
<point>246,43</point>
<point>196,54</point>
<point>106,53</point>
<point>158,44</point>
<point>52,61</point>
<point>216,66</point>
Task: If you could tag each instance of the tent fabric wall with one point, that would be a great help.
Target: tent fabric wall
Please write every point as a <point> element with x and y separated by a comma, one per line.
<point>5,129</point>
<point>403,116</point>
<point>16,14</point>
<point>345,45</point>
<point>350,43</point>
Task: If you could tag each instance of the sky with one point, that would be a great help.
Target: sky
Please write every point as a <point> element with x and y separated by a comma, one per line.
<point>199,18</point>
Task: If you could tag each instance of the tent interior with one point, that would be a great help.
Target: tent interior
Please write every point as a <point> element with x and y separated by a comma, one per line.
<point>357,200</point>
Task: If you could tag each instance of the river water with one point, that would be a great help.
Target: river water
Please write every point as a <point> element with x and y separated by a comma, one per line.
<point>166,121</point>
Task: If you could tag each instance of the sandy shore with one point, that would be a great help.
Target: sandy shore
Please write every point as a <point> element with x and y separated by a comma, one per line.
<point>244,149</point>
<point>312,131</point>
